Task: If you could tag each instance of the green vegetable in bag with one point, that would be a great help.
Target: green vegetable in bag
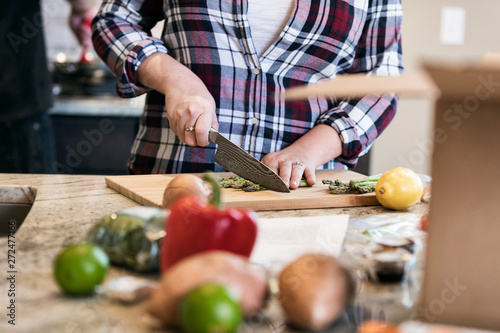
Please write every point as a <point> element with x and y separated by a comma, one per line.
<point>131,237</point>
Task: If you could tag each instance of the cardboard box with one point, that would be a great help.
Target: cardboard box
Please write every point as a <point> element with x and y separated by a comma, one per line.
<point>462,276</point>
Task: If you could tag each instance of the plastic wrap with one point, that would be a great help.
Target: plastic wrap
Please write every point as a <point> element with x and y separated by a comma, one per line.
<point>131,237</point>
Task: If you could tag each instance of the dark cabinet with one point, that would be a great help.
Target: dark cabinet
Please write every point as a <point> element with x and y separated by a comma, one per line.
<point>94,134</point>
<point>93,144</point>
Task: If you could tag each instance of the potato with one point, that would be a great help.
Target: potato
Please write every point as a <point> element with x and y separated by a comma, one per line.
<point>246,280</point>
<point>314,290</point>
<point>184,185</point>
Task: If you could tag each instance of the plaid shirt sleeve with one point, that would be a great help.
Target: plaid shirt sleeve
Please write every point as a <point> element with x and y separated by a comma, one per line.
<point>360,121</point>
<point>123,40</point>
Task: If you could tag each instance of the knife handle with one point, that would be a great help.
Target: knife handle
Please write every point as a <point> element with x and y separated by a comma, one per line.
<point>212,135</point>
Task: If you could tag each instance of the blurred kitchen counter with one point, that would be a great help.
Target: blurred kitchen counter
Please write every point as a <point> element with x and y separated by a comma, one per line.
<point>66,206</point>
<point>98,106</point>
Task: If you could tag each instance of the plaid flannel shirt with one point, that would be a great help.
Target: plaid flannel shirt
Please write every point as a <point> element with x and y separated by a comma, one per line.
<point>321,40</point>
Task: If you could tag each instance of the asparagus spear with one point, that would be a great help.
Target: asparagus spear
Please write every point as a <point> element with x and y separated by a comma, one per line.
<point>364,185</point>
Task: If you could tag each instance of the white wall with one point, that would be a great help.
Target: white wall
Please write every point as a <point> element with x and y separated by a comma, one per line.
<point>408,140</point>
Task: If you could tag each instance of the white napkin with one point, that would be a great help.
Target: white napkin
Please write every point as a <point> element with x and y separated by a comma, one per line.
<point>282,240</point>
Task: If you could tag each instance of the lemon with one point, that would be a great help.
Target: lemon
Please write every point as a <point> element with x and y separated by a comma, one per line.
<point>79,268</point>
<point>399,188</point>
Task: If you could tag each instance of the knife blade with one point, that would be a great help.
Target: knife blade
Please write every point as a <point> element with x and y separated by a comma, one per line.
<point>238,161</point>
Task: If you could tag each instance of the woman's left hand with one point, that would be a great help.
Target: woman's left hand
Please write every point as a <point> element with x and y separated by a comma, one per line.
<point>316,147</point>
<point>291,167</point>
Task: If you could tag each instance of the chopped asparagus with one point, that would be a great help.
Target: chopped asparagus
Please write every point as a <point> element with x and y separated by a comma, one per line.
<point>239,183</point>
<point>303,183</point>
<point>248,186</point>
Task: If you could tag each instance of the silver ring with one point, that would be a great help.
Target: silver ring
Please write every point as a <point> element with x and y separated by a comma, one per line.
<point>189,129</point>
<point>298,163</point>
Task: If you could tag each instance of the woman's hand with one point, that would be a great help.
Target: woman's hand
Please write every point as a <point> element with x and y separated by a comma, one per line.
<point>291,165</point>
<point>318,146</point>
<point>190,110</point>
<point>190,106</point>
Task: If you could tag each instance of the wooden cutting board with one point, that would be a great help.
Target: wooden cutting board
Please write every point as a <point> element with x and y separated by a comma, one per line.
<point>148,191</point>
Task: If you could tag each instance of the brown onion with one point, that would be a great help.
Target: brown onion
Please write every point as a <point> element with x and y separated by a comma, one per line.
<point>185,185</point>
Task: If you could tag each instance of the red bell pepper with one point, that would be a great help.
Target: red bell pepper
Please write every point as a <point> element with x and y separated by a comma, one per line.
<point>194,227</point>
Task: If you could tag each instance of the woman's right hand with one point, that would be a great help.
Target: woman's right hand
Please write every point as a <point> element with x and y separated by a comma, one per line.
<point>188,102</point>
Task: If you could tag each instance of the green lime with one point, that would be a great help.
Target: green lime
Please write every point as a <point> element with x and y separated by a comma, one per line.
<point>210,308</point>
<point>79,268</point>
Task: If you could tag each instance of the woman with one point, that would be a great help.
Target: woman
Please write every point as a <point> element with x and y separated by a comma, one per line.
<point>225,64</point>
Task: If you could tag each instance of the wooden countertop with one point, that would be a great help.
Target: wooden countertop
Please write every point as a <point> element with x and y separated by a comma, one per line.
<point>66,206</point>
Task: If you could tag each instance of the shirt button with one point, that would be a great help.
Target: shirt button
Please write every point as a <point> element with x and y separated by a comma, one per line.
<point>256,71</point>
<point>255,121</point>
<point>288,37</point>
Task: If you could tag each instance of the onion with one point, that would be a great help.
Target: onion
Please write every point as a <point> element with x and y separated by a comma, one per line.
<point>185,185</point>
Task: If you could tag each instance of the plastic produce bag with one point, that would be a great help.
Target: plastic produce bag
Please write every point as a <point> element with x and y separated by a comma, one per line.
<point>131,237</point>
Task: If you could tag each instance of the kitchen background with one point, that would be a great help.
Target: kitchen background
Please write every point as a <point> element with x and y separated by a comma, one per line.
<point>433,30</point>
<point>94,128</point>
<point>94,134</point>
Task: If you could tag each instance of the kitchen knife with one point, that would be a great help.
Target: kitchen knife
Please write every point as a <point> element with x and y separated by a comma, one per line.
<point>236,160</point>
